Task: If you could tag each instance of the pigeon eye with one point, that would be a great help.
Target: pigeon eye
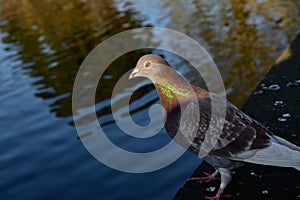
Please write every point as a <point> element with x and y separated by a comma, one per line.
<point>147,64</point>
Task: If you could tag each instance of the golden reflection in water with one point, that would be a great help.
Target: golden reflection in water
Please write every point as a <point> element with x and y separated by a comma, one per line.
<point>245,37</point>
<point>56,36</point>
<point>263,31</point>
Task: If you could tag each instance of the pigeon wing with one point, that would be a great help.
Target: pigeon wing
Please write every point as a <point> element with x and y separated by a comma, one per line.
<point>205,133</point>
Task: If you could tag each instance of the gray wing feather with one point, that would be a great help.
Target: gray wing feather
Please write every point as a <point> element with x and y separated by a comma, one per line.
<point>286,143</point>
<point>194,126</point>
<point>275,155</point>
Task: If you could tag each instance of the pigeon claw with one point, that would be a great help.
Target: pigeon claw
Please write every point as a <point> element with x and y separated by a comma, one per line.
<point>207,178</point>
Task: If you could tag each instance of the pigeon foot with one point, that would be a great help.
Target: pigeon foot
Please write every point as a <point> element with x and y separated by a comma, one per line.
<point>207,178</point>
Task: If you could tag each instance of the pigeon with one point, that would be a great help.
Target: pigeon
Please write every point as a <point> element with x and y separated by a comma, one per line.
<point>223,139</point>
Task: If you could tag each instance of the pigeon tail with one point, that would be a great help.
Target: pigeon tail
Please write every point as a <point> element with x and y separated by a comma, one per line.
<point>274,155</point>
<point>286,143</point>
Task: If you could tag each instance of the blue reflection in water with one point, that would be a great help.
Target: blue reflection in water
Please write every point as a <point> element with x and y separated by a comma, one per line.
<point>42,158</point>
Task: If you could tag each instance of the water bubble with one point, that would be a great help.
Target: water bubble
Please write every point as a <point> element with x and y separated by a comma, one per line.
<point>258,92</point>
<point>274,87</point>
<point>278,103</point>
<point>253,174</point>
<point>281,119</point>
<point>210,189</point>
<point>263,86</point>
<point>265,192</point>
<point>293,83</point>
<point>286,115</point>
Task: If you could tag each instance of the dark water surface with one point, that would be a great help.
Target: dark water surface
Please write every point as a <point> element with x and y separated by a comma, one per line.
<point>42,45</point>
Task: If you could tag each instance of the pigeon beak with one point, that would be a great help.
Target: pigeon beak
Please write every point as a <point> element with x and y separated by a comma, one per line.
<point>134,73</point>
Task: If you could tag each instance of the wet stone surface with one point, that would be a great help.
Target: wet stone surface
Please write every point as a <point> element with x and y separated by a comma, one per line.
<point>276,104</point>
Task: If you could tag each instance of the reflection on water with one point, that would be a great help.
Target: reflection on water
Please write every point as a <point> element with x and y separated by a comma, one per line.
<point>244,37</point>
<point>43,43</point>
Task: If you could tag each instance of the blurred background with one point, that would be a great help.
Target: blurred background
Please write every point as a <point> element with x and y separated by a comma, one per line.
<point>42,45</point>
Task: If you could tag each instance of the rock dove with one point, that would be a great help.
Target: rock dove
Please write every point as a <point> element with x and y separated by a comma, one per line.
<point>190,122</point>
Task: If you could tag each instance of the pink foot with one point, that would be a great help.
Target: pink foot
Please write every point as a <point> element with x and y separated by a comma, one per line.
<point>207,178</point>
<point>219,195</point>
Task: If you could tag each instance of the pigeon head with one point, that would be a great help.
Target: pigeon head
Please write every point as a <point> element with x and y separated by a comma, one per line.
<point>151,66</point>
<point>171,87</point>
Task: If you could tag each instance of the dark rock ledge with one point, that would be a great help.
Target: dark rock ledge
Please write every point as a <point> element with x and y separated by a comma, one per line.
<point>275,103</point>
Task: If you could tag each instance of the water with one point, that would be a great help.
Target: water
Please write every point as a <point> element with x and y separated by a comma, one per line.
<point>42,45</point>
